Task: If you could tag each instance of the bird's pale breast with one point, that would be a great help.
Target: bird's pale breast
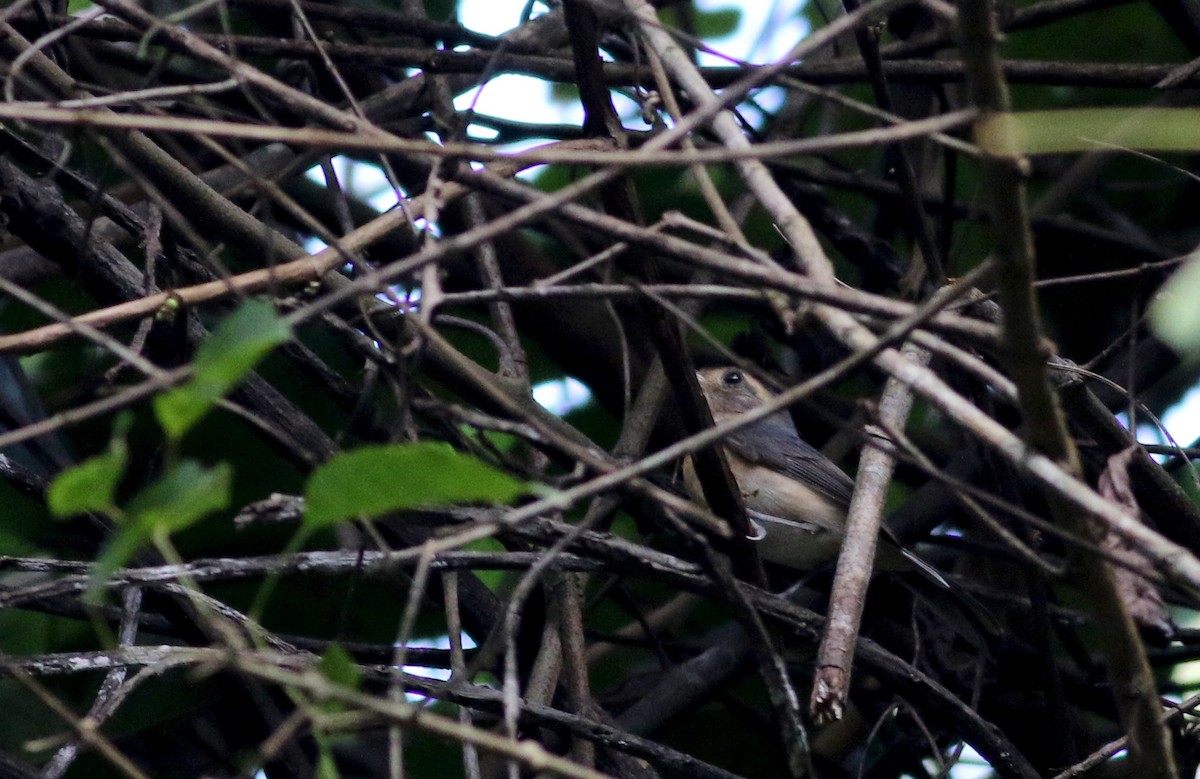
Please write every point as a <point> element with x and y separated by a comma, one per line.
<point>803,528</point>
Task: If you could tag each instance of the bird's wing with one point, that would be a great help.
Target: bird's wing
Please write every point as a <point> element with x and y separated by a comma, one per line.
<point>773,443</point>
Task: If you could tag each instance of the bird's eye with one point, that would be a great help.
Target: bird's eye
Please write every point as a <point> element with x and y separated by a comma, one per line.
<point>732,378</point>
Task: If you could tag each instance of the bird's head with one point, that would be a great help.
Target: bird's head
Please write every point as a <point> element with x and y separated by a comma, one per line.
<point>730,391</point>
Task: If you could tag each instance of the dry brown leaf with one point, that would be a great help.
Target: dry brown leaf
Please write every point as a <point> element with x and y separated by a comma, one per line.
<point>1138,593</point>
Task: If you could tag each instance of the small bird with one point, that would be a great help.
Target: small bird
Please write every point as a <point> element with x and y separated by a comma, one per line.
<point>797,501</point>
<point>795,496</point>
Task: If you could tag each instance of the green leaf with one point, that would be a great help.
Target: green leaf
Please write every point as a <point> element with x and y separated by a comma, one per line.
<point>326,765</point>
<point>494,580</point>
<point>232,351</point>
<point>374,480</point>
<point>117,553</point>
<point>92,485</point>
<point>181,408</point>
<point>184,495</point>
<point>1086,129</point>
<point>1175,313</point>
<point>718,22</point>
<point>339,667</point>
<point>240,341</point>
